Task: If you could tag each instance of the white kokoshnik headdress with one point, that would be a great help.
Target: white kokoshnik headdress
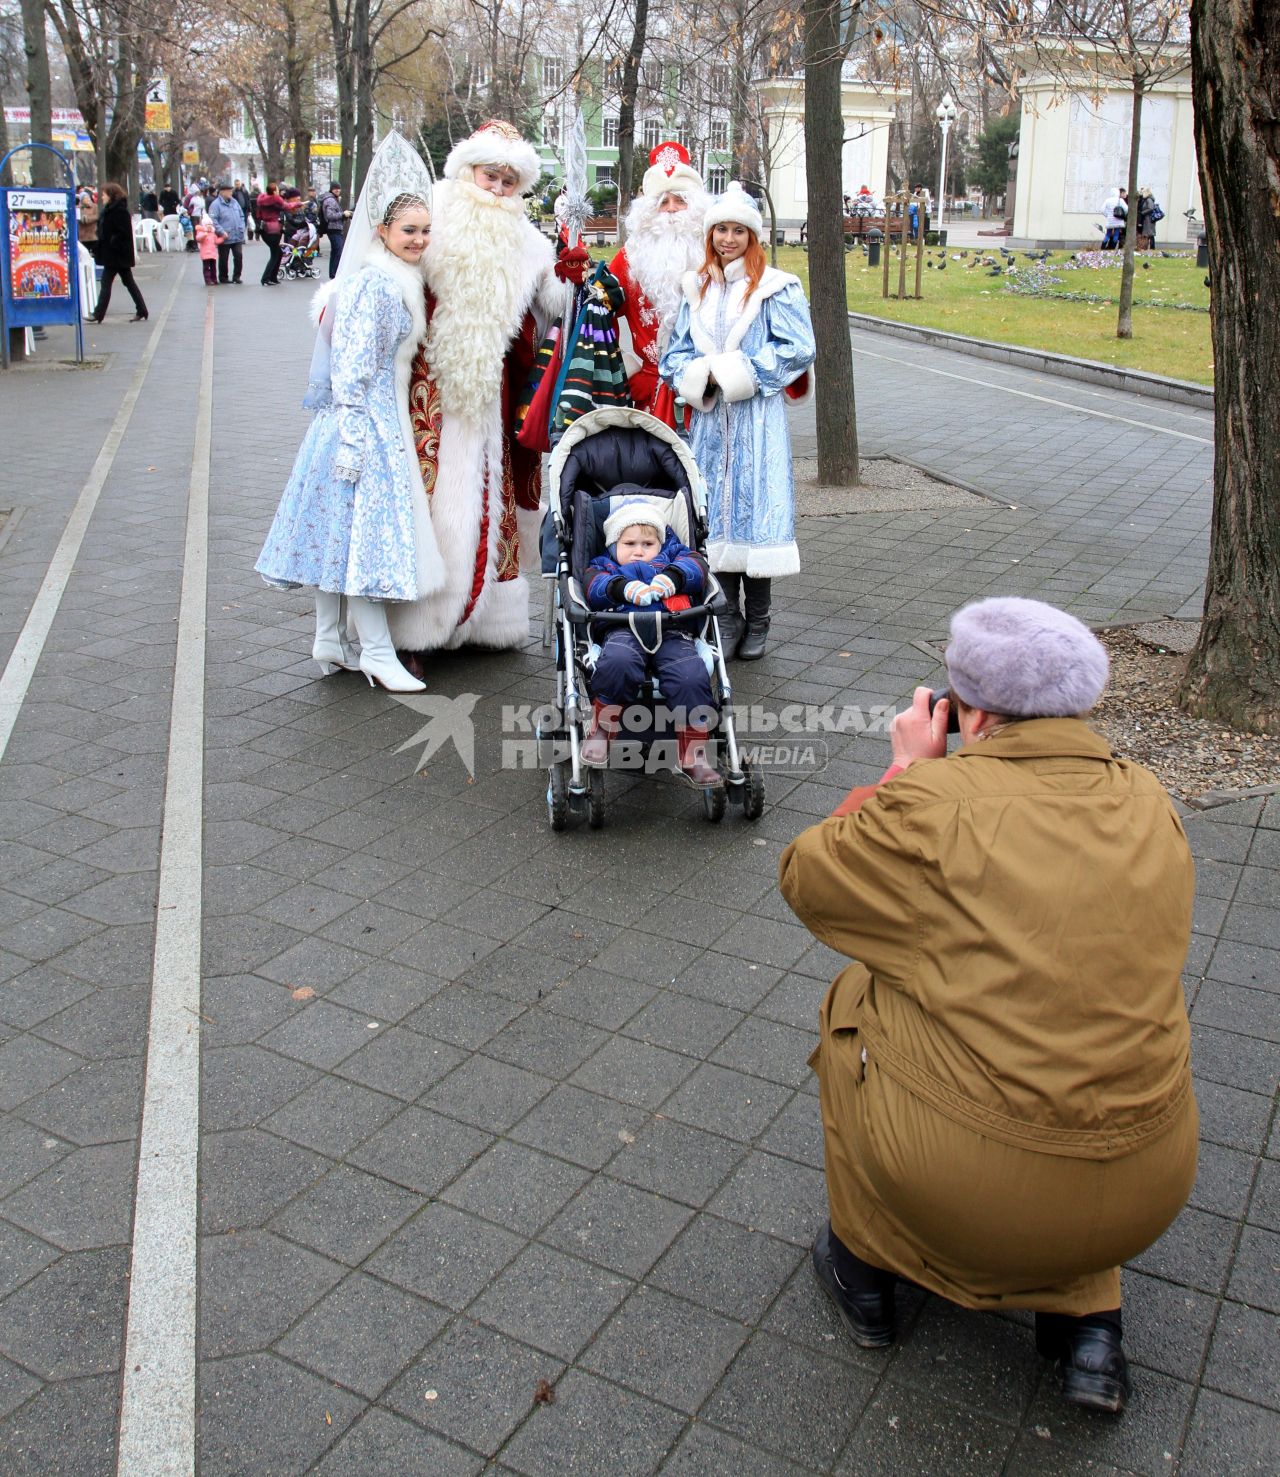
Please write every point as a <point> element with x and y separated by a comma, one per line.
<point>396,170</point>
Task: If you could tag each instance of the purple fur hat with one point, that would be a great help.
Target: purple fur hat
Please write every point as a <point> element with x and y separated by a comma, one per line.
<point>1024,659</point>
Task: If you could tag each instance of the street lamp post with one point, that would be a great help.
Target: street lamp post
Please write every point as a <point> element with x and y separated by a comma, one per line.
<point>946,115</point>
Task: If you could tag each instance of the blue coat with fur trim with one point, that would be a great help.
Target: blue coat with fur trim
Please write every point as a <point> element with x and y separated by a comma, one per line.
<point>736,361</point>
<point>686,570</point>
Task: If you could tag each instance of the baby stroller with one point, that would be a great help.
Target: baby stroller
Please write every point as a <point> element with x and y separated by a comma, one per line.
<point>299,253</point>
<point>598,452</point>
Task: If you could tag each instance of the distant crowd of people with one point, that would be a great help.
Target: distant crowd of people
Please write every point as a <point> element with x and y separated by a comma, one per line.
<point>215,221</point>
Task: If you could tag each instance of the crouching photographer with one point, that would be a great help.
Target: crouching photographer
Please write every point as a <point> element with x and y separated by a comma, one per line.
<point>1005,1072</point>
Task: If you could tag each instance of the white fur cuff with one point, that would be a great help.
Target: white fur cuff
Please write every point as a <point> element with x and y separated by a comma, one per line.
<point>733,373</point>
<point>692,384</point>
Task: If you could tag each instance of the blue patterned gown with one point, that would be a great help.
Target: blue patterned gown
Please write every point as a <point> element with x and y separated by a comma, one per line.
<point>739,431</point>
<point>346,517</point>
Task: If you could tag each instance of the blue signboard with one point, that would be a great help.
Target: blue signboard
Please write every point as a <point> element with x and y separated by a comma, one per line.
<point>39,258</point>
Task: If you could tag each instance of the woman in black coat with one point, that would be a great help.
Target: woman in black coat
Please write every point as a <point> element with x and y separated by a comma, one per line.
<point>115,253</point>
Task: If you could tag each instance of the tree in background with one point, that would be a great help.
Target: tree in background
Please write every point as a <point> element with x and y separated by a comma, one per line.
<point>39,92</point>
<point>1234,672</point>
<point>989,170</point>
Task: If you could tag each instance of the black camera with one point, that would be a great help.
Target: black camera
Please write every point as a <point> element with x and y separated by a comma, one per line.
<point>953,713</point>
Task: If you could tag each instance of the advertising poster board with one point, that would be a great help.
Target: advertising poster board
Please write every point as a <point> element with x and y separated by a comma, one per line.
<point>39,280</point>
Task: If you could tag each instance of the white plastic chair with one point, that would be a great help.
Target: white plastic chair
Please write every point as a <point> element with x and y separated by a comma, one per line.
<point>171,238</point>
<point>88,270</point>
<point>150,231</point>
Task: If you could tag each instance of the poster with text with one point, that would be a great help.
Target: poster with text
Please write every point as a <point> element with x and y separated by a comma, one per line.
<point>38,245</point>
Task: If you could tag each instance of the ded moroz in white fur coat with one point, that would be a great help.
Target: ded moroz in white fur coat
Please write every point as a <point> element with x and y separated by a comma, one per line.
<point>492,291</point>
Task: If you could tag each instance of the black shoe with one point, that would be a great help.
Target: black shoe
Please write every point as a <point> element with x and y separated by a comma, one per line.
<point>751,648</point>
<point>867,1315</point>
<point>139,317</point>
<point>1095,1373</point>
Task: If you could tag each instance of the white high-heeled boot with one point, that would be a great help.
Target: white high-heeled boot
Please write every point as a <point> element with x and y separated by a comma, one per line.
<point>378,660</point>
<point>331,648</point>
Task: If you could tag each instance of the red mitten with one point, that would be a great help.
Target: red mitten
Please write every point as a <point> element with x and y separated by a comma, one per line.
<point>573,264</point>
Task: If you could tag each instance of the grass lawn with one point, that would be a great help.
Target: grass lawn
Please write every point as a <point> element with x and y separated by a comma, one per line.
<point>969,300</point>
<point>963,299</point>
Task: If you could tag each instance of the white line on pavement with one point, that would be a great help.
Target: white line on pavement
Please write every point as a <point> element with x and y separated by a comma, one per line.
<point>21,666</point>
<point>157,1430</point>
<point>970,379</point>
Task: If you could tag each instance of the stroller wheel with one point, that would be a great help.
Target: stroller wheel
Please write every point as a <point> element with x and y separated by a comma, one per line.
<point>753,794</point>
<point>713,804</point>
<point>595,798</point>
<point>557,798</point>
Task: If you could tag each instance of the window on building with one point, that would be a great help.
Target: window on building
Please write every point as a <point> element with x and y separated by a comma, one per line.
<point>652,133</point>
<point>613,74</point>
<point>719,139</point>
<point>552,73</point>
<point>651,76</point>
<point>718,81</point>
<point>324,72</point>
<point>551,129</point>
<point>717,180</point>
<point>326,123</point>
<point>480,75</point>
<point>605,174</point>
<point>610,133</point>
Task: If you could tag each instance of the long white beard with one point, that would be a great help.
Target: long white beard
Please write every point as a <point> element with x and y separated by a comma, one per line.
<point>473,266</point>
<point>661,248</point>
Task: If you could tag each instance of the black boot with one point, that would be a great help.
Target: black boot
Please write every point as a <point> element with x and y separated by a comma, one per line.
<point>731,622</point>
<point>1090,1358</point>
<point>757,596</point>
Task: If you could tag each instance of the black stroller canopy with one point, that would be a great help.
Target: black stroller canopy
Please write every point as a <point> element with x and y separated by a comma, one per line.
<point>620,454</point>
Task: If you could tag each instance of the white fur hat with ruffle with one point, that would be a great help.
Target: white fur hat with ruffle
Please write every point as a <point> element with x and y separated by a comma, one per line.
<point>496,142</point>
<point>736,206</point>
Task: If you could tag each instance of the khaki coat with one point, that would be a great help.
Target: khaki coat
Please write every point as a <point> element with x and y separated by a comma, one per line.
<point>1005,1072</point>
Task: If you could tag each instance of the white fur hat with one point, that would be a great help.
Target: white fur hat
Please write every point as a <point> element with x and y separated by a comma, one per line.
<point>496,142</point>
<point>1024,659</point>
<point>737,206</point>
<point>628,515</point>
<point>669,169</point>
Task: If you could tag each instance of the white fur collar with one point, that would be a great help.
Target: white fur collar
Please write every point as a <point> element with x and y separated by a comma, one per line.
<point>772,282</point>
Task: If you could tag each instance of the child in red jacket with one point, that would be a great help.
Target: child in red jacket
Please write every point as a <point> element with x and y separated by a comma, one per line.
<point>207,245</point>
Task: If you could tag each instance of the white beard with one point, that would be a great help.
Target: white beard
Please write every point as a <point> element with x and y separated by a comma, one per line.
<point>474,266</point>
<point>661,248</point>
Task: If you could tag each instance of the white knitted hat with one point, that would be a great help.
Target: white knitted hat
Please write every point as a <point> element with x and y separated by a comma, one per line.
<point>737,206</point>
<point>669,169</point>
<point>496,142</point>
<point>628,515</point>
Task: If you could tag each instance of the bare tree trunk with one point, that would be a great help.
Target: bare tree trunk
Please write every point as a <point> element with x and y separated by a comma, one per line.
<point>1233,674</point>
<point>1124,324</point>
<point>824,143</point>
<point>339,26</point>
<point>362,54</point>
<point>44,168</point>
<point>627,112</point>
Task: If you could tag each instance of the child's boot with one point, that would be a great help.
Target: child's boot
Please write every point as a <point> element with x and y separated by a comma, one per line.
<point>604,724</point>
<point>692,744</point>
<point>757,596</point>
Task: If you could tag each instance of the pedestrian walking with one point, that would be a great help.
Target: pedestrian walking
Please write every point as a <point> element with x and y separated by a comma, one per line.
<point>228,216</point>
<point>741,347</point>
<point>207,246</point>
<point>1149,216</point>
<point>87,221</point>
<point>270,211</point>
<point>335,224</point>
<point>170,200</point>
<point>245,202</point>
<point>1005,1075</point>
<point>353,520</point>
<point>115,253</point>
<point>1115,211</point>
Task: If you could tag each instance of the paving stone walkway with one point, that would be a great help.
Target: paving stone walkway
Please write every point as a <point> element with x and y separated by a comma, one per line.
<point>484,1107</point>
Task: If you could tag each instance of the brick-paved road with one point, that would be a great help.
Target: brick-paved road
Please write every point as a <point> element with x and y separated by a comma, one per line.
<point>547,1116</point>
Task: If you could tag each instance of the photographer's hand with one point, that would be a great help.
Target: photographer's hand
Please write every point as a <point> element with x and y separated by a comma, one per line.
<point>916,734</point>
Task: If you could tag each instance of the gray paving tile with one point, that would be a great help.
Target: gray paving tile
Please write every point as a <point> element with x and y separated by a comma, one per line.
<point>776,1195</point>
<point>1257,1261</point>
<point>617,1226</point>
<point>247,1175</point>
<point>1242,1361</point>
<point>1153,1424</point>
<point>580,1126</point>
<point>347,1214</point>
<point>253,1286</point>
<point>1228,1435</point>
<point>804,1410</point>
<point>68,1320</point>
<point>22,1255</point>
<point>333,1116</point>
<point>28,1066</point>
<point>422,1151</point>
<point>551,1301</point>
<point>445,1255</point>
<point>516,1187</point>
<point>82,1202</point>
<point>727,1102</point>
<point>67,1430</point>
<point>98,1104</point>
<point>483,1381</point>
<point>594,1426</point>
<point>259,1414</point>
<point>241,1085</point>
<point>381,1443</point>
<point>491,1095</point>
<point>905,1430</point>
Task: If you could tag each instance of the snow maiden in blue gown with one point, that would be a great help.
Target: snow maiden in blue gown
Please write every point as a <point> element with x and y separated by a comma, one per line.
<point>741,348</point>
<point>353,520</point>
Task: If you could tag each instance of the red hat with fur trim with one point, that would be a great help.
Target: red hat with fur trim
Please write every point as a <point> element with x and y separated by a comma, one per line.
<point>669,169</point>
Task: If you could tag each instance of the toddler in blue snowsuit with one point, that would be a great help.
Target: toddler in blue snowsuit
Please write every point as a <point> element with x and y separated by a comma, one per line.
<point>647,568</point>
